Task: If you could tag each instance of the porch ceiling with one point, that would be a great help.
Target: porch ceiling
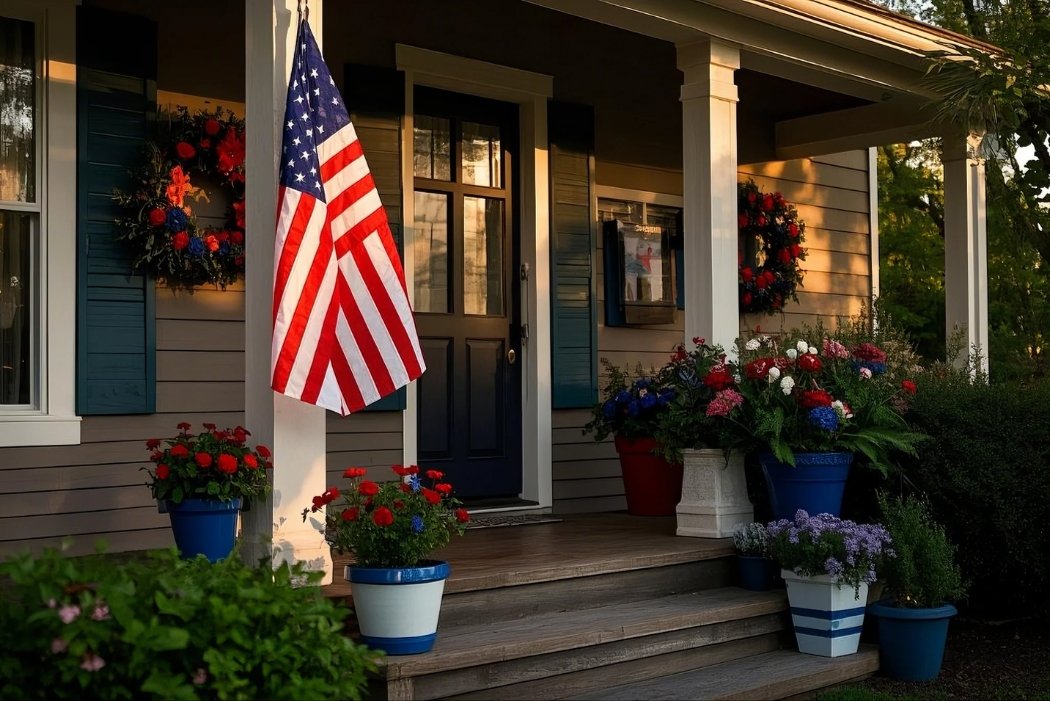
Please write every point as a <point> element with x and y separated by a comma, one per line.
<point>849,73</point>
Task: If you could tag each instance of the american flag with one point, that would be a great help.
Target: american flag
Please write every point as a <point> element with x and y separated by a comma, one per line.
<point>343,333</point>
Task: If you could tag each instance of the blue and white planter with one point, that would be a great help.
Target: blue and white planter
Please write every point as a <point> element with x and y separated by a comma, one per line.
<point>828,617</point>
<point>398,608</point>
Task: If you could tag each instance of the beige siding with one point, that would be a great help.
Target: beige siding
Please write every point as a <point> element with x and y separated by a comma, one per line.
<point>831,193</point>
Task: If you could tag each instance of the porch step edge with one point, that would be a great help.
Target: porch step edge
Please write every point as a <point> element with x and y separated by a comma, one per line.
<point>485,643</point>
<point>772,675</point>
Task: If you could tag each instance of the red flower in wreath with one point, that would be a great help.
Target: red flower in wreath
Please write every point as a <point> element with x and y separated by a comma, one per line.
<point>772,235</point>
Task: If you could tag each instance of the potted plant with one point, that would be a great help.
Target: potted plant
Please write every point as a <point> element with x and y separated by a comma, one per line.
<point>918,583</point>
<point>692,432</point>
<point>390,529</point>
<point>202,480</point>
<point>811,400</point>
<point>630,408</point>
<point>827,564</point>
<point>755,568</point>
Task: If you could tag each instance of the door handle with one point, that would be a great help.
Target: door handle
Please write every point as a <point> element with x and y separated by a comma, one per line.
<point>511,356</point>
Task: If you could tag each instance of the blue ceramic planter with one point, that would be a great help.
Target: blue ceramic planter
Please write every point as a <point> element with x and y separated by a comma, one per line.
<point>756,573</point>
<point>911,641</point>
<point>204,527</point>
<point>816,483</point>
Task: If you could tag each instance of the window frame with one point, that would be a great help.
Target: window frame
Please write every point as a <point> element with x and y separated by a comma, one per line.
<point>51,420</point>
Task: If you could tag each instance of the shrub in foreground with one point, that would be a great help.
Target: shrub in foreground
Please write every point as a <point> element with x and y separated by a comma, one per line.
<point>161,627</point>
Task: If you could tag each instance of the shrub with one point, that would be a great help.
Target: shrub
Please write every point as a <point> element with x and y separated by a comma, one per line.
<point>161,627</point>
<point>923,573</point>
<point>986,472</point>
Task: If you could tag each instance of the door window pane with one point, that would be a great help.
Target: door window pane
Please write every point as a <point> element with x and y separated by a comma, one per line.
<point>430,249</point>
<point>482,256</point>
<point>432,139</point>
<point>481,155</point>
<point>630,212</point>
<point>17,111</point>
<point>15,319</point>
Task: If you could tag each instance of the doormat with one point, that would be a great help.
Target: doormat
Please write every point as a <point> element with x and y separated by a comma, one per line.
<point>499,520</point>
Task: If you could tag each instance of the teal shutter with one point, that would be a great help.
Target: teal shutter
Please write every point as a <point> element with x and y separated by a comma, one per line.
<point>573,224</point>
<point>375,97</point>
<point>116,360</point>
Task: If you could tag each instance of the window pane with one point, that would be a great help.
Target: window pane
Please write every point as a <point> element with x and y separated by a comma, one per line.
<point>432,138</point>
<point>482,256</point>
<point>630,212</point>
<point>660,215</point>
<point>15,299</point>
<point>430,248</point>
<point>481,155</point>
<point>17,111</point>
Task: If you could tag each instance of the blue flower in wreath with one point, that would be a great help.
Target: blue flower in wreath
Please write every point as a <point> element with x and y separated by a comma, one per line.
<point>196,246</point>
<point>824,417</point>
<point>176,220</point>
<point>609,409</point>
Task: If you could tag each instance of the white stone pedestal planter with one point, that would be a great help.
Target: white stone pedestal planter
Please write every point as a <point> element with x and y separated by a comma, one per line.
<point>714,494</point>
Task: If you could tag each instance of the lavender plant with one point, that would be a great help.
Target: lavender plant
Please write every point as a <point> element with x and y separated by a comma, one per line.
<point>846,551</point>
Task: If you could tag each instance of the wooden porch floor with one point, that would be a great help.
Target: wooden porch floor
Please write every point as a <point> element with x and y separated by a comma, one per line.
<point>579,545</point>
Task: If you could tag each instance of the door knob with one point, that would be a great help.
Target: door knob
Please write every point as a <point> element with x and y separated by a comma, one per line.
<point>511,356</point>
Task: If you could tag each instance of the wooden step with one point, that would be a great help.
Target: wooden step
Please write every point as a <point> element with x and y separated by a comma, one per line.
<point>772,675</point>
<point>473,657</point>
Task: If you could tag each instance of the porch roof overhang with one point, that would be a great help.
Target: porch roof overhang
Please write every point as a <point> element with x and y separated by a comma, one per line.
<point>847,47</point>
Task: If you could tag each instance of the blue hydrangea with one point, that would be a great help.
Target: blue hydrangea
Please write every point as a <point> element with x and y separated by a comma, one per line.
<point>176,220</point>
<point>648,401</point>
<point>224,248</point>
<point>824,417</point>
<point>623,397</point>
<point>633,409</point>
<point>642,383</point>
<point>417,524</point>
<point>196,247</point>
<point>609,409</point>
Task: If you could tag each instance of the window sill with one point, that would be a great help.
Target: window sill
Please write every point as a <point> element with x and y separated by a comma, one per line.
<point>34,430</point>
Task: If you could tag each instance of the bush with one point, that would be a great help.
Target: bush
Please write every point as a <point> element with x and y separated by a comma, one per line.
<point>161,627</point>
<point>922,573</point>
<point>986,473</point>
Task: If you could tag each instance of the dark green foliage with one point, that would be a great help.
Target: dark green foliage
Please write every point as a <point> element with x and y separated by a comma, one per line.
<point>161,627</point>
<point>923,574</point>
<point>986,473</point>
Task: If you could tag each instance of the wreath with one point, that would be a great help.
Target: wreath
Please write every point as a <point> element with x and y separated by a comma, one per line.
<point>772,237</point>
<point>158,223</point>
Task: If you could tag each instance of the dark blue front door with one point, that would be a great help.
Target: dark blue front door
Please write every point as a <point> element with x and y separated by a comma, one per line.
<point>465,292</point>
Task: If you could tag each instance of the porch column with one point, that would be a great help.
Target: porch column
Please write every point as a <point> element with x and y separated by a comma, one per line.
<point>965,244</point>
<point>294,430</point>
<point>709,188</point>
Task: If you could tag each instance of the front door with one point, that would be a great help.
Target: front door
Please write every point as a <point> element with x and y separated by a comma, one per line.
<point>465,293</point>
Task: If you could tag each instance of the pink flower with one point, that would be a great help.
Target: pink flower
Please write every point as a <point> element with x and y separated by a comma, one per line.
<point>92,662</point>
<point>724,402</point>
<point>68,614</point>
<point>58,645</point>
<point>101,612</point>
<point>834,349</point>
<point>865,373</point>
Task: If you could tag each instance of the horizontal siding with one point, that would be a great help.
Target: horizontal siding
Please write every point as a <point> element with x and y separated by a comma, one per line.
<point>96,490</point>
<point>831,194</point>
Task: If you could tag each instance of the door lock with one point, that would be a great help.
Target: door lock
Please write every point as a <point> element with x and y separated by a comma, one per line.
<point>511,356</point>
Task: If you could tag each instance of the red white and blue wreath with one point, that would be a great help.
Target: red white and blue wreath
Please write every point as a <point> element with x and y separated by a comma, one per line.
<point>772,234</point>
<point>158,222</point>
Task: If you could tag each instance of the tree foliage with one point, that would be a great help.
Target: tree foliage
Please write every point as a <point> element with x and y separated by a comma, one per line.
<point>1003,94</point>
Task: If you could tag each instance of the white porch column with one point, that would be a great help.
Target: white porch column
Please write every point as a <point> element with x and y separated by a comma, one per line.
<point>965,244</point>
<point>294,430</point>
<point>709,185</point>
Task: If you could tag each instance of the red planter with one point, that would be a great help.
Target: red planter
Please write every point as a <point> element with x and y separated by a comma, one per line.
<point>653,486</point>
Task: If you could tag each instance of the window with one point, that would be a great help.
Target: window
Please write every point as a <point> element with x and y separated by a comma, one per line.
<point>37,241</point>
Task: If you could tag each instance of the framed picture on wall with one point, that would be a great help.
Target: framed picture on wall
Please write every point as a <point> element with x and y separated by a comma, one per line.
<point>639,283</point>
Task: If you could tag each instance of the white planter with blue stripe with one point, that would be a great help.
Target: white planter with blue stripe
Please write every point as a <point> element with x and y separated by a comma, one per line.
<point>828,617</point>
<point>397,608</point>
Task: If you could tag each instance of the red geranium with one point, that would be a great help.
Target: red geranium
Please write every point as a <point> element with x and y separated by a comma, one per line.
<point>718,379</point>
<point>812,398</point>
<point>383,516</point>
<point>204,460</point>
<point>909,386</point>
<point>368,488</point>
<point>162,472</point>
<point>227,464</point>
<point>185,151</point>
<point>810,363</point>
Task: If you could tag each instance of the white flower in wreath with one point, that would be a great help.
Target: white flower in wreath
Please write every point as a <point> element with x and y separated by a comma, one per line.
<point>787,384</point>
<point>802,346</point>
